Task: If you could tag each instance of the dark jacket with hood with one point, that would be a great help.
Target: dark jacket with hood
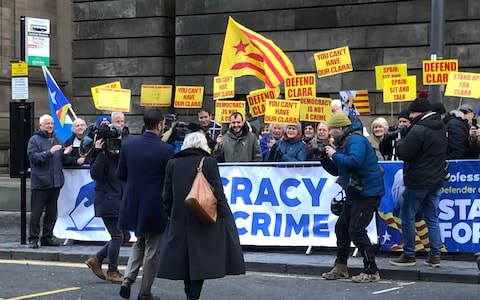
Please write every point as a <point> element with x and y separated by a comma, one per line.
<point>46,168</point>
<point>458,137</point>
<point>356,164</point>
<point>424,151</point>
<point>243,148</point>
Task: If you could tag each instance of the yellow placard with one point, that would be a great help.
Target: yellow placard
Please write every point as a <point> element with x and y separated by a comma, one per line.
<point>224,108</point>
<point>19,69</point>
<point>156,95</point>
<point>436,72</point>
<point>94,90</point>
<point>282,111</point>
<point>256,101</point>
<point>389,71</point>
<point>400,89</point>
<point>334,61</point>
<point>300,86</point>
<point>315,109</point>
<point>223,87</point>
<point>188,96</point>
<point>114,99</point>
<point>463,84</point>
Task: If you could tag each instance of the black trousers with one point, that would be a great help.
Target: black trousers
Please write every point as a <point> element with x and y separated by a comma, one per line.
<point>351,227</point>
<point>111,249</point>
<point>44,200</point>
<point>193,288</point>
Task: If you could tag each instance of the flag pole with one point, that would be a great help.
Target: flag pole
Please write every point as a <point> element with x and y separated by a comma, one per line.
<point>72,112</point>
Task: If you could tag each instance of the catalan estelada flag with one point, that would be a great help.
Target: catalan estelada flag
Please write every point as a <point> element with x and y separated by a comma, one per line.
<point>246,52</point>
<point>59,107</point>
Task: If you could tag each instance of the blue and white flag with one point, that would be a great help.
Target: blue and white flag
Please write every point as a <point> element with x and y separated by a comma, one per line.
<point>59,107</point>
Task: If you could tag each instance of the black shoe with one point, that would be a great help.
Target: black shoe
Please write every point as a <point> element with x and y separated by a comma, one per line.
<point>33,244</point>
<point>50,242</point>
<point>125,288</point>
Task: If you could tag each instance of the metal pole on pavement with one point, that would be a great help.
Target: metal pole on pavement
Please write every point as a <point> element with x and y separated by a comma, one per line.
<point>23,171</point>
<point>436,45</point>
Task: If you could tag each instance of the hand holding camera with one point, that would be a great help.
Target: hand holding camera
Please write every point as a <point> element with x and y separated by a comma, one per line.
<point>330,151</point>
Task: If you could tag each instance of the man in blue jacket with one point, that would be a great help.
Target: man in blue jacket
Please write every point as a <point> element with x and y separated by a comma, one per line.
<point>355,162</point>
<point>45,153</point>
<point>142,168</point>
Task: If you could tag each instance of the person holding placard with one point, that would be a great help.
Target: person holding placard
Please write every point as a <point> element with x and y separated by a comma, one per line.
<point>291,147</point>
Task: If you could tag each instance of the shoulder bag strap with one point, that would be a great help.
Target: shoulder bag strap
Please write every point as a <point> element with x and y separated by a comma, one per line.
<point>200,165</point>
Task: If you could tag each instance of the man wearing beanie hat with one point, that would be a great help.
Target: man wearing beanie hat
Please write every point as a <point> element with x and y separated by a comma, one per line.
<point>439,108</point>
<point>424,151</point>
<point>354,161</point>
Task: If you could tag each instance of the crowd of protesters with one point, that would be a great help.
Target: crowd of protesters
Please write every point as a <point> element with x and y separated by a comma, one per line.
<point>343,146</point>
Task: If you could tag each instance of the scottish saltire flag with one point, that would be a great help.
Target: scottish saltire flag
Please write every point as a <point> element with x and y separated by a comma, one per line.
<point>59,106</point>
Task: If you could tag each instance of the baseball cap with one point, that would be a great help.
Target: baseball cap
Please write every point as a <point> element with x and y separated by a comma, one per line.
<point>465,108</point>
<point>102,119</point>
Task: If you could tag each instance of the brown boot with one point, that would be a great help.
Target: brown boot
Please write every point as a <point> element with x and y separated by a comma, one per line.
<point>339,271</point>
<point>96,266</point>
<point>115,277</point>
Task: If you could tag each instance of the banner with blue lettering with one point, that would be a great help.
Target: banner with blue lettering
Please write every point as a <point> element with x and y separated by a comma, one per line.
<point>283,206</point>
<point>459,209</point>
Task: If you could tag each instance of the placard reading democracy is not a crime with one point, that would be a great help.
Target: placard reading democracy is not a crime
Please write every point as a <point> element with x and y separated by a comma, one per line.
<point>224,109</point>
<point>315,109</point>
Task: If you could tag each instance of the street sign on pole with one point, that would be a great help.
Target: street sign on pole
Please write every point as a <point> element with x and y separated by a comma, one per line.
<point>37,41</point>
<point>19,88</point>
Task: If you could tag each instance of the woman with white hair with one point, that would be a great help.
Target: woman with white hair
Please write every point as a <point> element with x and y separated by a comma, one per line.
<point>190,250</point>
<point>379,128</point>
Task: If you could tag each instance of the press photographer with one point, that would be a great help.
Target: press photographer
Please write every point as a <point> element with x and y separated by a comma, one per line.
<point>110,135</point>
<point>387,145</point>
<point>175,131</point>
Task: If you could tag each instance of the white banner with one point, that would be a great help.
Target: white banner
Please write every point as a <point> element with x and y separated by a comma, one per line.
<point>283,206</point>
<point>76,216</point>
<point>272,206</point>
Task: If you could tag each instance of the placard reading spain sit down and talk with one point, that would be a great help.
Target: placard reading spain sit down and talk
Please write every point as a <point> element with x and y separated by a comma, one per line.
<point>462,84</point>
<point>300,86</point>
<point>315,109</point>
<point>156,95</point>
<point>334,61</point>
<point>435,72</point>
<point>224,109</point>
<point>389,71</point>
<point>223,87</point>
<point>400,89</point>
<point>188,97</point>
<point>282,112</point>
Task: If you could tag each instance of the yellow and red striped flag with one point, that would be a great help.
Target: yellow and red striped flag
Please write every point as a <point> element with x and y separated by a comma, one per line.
<point>246,52</point>
<point>361,102</point>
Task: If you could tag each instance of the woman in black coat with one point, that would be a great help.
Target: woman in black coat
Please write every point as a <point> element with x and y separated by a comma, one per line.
<point>190,250</point>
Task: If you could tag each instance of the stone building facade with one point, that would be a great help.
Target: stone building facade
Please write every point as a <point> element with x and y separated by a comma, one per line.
<point>180,42</point>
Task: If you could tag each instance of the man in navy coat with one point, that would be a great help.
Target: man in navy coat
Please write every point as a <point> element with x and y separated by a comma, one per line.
<point>142,168</point>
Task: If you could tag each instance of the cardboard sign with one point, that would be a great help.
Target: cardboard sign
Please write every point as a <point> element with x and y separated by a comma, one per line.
<point>282,112</point>
<point>94,90</point>
<point>223,109</point>
<point>188,97</point>
<point>462,84</point>
<point>114,99</point>
<point>223,87</point>
<point>389,71</point>
<point>19,69</point>
<point>400,89</point>
<point>315,109</point>
<point>334,61</point>
<point>156,95</point>
<point>300,86</point>
<point>256,101</point>
<point>435,72</point>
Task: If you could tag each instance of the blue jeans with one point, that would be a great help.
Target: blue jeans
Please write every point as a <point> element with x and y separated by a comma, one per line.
<point>425,201</point>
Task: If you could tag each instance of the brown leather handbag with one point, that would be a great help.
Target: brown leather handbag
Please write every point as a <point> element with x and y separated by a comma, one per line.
<point>201,199</point>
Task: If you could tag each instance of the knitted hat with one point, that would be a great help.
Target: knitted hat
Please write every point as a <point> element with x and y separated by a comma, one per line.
<point>339,120</point>
<point>438,108</point>
<point>298,126</point>
<point>420,106</point>
<point>102,119</point>
<point>466,108</point>
<point>404,114</point>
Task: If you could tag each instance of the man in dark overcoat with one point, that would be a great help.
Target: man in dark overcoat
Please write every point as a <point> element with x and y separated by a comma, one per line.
<point>142,168</point>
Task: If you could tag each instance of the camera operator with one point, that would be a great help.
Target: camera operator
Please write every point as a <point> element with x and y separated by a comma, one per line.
<point>355,162</point>
<point>387,145</point>
<point>108,195</point>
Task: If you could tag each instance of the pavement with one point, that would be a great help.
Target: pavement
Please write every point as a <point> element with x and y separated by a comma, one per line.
<point>454,267</point>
